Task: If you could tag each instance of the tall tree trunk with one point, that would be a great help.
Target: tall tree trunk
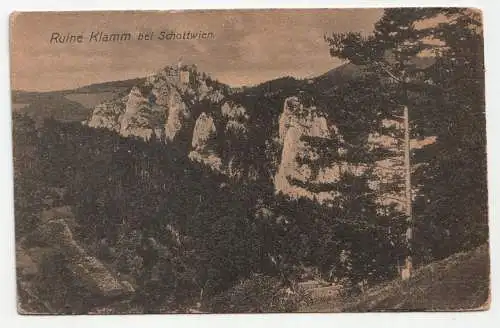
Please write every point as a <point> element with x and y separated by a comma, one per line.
<point>406,271</point>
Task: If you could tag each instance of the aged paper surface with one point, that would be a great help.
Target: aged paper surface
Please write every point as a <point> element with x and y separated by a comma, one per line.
<point>250,161</point>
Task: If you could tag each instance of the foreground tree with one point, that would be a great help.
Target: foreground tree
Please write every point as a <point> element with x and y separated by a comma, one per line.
<point>390,52</point>
<point>444,97</point>
<point>451,207</point>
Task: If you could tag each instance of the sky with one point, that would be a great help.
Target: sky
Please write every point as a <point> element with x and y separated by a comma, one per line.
<point>248,47</point>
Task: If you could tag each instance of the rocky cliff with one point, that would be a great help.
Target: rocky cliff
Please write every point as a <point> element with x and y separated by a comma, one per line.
<point>203,142</point>
<point>159,106</point>
<point>296,122</point>
<point>221,131</point>
<point>297,174</point>
<point>51,253</point>
<point>179,101</point>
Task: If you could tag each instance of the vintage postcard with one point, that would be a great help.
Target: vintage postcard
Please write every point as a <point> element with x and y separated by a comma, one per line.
<point>313,160</point>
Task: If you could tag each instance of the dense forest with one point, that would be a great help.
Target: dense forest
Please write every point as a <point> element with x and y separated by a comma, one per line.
<point>184,236</point>
<point>164,222</point>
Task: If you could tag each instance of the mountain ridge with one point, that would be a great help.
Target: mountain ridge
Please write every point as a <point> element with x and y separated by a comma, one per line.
<point>237,131</point>
<point>258,132</point>
<point>29,98</point>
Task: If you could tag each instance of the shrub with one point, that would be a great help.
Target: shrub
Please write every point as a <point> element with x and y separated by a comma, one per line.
<point>259,293</point>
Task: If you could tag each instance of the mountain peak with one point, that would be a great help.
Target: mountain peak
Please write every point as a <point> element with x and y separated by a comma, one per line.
<point>160,104</point>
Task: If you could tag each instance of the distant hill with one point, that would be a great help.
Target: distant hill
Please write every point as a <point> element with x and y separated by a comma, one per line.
<point>111,86</point>
<point>77,104</point>
<point>48,104</point>
<point>68,105</point>
<point>340,74</point>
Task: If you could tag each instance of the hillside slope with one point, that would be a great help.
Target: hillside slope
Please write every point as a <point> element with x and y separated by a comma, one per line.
<point>459,282</point>
<point>72,105</point>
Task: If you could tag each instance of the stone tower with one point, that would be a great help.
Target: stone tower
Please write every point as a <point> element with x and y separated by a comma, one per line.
<point>183,74</point>
<point>184,77</point>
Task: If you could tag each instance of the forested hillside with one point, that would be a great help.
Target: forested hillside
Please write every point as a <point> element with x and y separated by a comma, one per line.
<point>181,194</point>
<point>162,223</point>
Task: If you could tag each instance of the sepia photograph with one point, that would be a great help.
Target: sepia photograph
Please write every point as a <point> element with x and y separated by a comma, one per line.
<point>250,161</point>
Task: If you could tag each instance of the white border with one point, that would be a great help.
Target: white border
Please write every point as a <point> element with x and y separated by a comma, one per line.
<point>8,312</point>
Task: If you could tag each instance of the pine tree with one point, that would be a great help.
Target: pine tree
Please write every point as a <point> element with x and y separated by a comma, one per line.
<point>451,206</point>
<point>391,52</point>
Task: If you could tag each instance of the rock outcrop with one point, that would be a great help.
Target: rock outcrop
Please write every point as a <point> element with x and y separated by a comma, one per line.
<point>177,113</point>
<point>207,141</point>
<point>108,115</point>
<point>142,116</point>
<point>56,245</point>
<point>204,135</point>
<point>204,132</point>
<point>296,173</point>
<point>179,101</point>
<point>297,123</point>
<point>160,106</point>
